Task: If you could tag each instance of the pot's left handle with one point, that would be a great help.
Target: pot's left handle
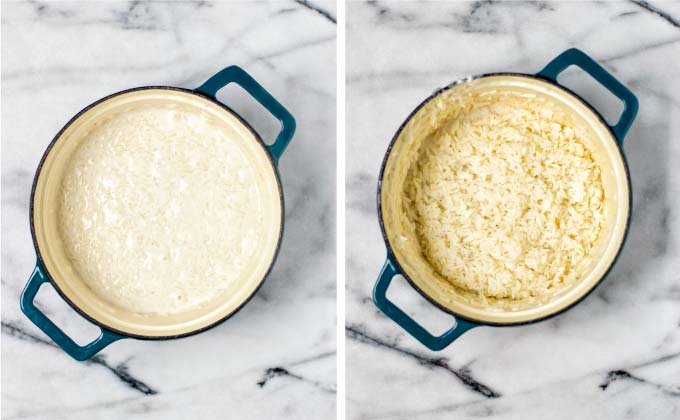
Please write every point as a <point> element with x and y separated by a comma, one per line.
<point>430,341</point>
<point>235,74</point>
<point>55,333</point>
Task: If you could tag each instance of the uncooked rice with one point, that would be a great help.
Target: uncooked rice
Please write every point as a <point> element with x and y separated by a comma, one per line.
<point>160,210</point>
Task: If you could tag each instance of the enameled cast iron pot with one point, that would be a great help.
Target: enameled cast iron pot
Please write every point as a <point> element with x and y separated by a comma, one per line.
<point>53,266</point>
<point>466,307</point>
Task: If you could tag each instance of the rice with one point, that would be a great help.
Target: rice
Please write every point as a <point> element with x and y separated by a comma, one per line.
<point>160,210</point>
<point>506,199</point>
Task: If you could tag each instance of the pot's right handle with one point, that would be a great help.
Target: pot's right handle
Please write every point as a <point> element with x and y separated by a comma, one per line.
<point>430,341</point>
<point>579,58</point>
<point>235,74</point>
<point>28,307</point>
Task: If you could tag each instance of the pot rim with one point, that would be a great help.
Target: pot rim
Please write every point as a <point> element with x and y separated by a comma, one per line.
<point>392,256</point>
<point>77,308</point>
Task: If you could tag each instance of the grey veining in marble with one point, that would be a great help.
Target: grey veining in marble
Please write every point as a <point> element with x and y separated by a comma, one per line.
<point>615,355</point>
<point>276,358</point>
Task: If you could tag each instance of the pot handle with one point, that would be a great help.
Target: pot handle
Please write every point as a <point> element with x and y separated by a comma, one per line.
<point>406,322</point>
<point>28,307</point>
<point>578,58</point>
<point>235,74</point>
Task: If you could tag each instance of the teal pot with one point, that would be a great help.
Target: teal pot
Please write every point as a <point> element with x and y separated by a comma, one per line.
<point>54,267</point>
<point>467,308</point>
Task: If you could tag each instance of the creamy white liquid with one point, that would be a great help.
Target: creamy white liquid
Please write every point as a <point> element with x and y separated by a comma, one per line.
<point>160,210</point>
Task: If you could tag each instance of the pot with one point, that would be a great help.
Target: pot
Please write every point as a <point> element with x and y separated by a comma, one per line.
<point>467,308</point>
<point>53,265</point>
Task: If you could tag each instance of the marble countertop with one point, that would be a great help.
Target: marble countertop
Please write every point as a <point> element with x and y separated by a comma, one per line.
<point>615,355</point>
<point>276,358</point>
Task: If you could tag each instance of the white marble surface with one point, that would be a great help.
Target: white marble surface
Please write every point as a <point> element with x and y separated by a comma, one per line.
<point>616,355</point>
<point>58,57</point>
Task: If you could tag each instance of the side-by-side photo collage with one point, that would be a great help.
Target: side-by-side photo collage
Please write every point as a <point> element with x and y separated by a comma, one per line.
<point>339,209</point>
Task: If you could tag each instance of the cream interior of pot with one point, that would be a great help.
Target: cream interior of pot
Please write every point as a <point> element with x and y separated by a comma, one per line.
<point>403,240</point>
<point>69,279</point>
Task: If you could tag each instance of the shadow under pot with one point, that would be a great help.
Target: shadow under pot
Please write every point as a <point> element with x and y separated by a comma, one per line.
<point>413,241</point>
<point>157,212</point>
